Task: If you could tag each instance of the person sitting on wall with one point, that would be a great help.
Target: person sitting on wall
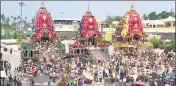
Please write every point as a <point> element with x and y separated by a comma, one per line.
<point>0,55</point>
<point>11,50</point>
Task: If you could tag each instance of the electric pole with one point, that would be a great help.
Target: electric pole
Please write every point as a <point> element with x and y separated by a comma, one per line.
<point>21,5</point>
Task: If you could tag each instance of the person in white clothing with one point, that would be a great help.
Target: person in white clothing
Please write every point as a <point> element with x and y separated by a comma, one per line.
<point>100,77</point>
<point>54,76</point>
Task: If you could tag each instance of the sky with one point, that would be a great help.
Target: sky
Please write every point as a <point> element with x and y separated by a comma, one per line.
<point>76,9</point>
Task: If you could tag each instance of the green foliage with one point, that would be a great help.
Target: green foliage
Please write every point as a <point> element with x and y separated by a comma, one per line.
<point>67,37</point>
<point>110,19</point>
<point>10,21</point>
<point>156,42</point>
<point>18,35</point>
<point>19,40</point>
<point>161,15</point>
<point>145,17</point>
<point>8,26</point>
<point>163,45</point>
<point>153,16</point>
<point>15,35</point>
<point>173,45</point>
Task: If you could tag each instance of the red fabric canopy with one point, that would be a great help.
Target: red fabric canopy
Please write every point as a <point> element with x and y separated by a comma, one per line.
<point>89,26</point>
<point>44,23</point>
<point>135,24</point>
<point>102,46</point>
<point>78,46</point>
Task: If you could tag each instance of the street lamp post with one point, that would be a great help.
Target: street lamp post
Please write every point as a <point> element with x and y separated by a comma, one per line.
<point>21,5</point>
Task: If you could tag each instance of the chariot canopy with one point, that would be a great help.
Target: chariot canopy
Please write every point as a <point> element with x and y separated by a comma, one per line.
<point>42,23</point>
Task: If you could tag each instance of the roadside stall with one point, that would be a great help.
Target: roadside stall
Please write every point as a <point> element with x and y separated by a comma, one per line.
<point>60,49</point>
<point>103,47</point>
<point>78,50</point>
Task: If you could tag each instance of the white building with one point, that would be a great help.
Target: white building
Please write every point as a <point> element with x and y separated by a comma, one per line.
<point>67,27</point>
<point>163,27</point>
<point>162,23</point>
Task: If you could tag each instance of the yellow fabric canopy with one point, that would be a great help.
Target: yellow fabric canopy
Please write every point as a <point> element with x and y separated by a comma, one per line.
<point>149,44</point>
<point>108,37</point>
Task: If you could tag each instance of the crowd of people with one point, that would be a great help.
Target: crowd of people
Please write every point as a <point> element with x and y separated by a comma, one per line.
<point>10,80</point>
<point>147,67</point>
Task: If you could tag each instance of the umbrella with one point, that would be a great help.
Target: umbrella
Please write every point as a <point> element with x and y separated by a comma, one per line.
<point>3,74</point>
<point>81,76</point>
<point>68,79</point>
<point>128,84</point>
<point>37,84</point>
<point>140,83</point>
<point>72,76</point>
<point>170,55</point>
<point>49,63</point>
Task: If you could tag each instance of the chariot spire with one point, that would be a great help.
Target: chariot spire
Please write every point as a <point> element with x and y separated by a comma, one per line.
<point>42,3</point>
<point>132,6</point>
<point>88,7</point>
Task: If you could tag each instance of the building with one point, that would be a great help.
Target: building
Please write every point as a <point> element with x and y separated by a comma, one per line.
<point>66,27</point>
<point>163,23</point>
<point>164,27</point>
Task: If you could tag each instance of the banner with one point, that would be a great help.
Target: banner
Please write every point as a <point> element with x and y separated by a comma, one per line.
<point>117,44</point>
<point>149,44</point>
<point>108,37</point>
<point>124,45</point>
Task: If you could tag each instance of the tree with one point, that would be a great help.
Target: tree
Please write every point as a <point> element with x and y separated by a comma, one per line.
<point>7,20</point>
<point>156,42</point>
<point>2,18</point>
<point>173,45</point>
<point>14,20</point>
<point>144,17</point>
<point>15,35</point>
<point>18,18</point>
<point>164,14</point>
<point>11,19</point>
<point>110,19</point>
<point>25,18</point>
<point>165,45</point>
<point>19,40</point>
<point>161,15</point>
<point>153,16</point>
<point>18,35</point>
<point>117,18</point>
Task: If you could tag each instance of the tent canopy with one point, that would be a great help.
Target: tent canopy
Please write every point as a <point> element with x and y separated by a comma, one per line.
<point>60,46</point>
<point>3,74</point>
<point>27,47</point>
<point>170,18</point>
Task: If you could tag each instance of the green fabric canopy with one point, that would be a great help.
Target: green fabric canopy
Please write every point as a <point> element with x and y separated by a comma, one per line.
<point>25,47</point>
<point>60,46</point>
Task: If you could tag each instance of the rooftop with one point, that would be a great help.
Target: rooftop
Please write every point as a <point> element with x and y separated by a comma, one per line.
<point>68,19</point>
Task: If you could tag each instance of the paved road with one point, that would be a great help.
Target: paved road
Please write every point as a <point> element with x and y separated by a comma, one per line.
<point>14,59</point>
<point>98,54</point>
<point>40,80</point>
